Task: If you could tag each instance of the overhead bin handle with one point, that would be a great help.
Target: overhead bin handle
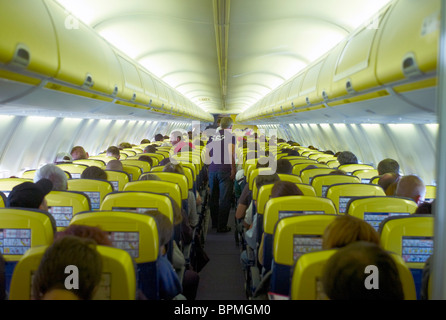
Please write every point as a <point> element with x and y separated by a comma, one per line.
<point>21,56</point>
<point>115,90</point>
<point>88,82</point>
<point>410,66</point>
<point>308,101</point>
<point>324,95</point>
<point>133,97</point>
<point>349,87</point>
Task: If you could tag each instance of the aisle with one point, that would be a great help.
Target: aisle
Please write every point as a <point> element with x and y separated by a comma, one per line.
<point>222,278</point>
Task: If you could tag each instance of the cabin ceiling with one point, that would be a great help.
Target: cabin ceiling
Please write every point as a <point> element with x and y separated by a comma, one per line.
<point>223,55</point>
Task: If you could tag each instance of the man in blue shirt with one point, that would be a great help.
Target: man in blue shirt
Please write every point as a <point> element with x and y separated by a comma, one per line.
<point>222,170</point>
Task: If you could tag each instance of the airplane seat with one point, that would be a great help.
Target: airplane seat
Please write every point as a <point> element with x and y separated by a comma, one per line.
<point>96,190</point>
<point>290,177</point>
<point>102,157</point>
<point>412,239</point>
<point>137,234</point>
<point>279,208</point>
<point>294,236</point>
<point>431,192</point>
<point>91,162</point>
<point>2,200</point>
<point>299,167</point>
<point>117,178</point>
<point>365,174</point>
<point>144,165</point>
<point>134,171</point>
<point>321,182</point>
<point>306,283</point>
<point>349,168</point>
<point>63,205</point>
<point>308,174</point>
<point>118,274</point>
<point>74,169</point>
<point>342,193</point>
<point>375,209</point>
<point>7,184</point>
<point>22,229</point>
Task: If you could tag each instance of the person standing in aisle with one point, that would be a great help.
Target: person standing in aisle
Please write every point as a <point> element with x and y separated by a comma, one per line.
<point>222,170</point>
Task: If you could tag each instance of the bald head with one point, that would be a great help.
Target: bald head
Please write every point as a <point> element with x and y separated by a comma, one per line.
<point>114,165</point>
<point>412,187</point>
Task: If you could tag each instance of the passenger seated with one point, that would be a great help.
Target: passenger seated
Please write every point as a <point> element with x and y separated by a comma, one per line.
<point>94,173</point>
<point>124,145</point>
<point>144,141</point>
<point>149,176</point>
<point>63,157</point>
<point>93,233</point>
<point>284,166</point>
<point>387,179</point>
<point>115,165</point>
<point>169,283</point>
<point>49,279</point>
<point>53,173</point>
<point>388,166</point>
<point>113,152</point>
<point>347,157</point>
<point>425,208</point>
<point>192,198</point>
<point>411,186</point>
<point>344,275</point>
<point>150,149</point>
<point>78,153</point>
<point>337,171</point>
<point>347,229</point>
<point>147,159</point>
<point>30,195</point>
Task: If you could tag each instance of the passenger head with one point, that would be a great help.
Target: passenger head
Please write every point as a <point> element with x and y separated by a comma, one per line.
<point>425,208</point>
<point>66,251</point>
<point>388,166</point>
<point>262,180</point>
<point>284,166</point>
<point>149,176</point>
<point>159,137</point>
<point>30,195</point>
<point>144,141</point>
<point>94,233</point>
<point>175,137</point>
<point>113,152</point>
<point>347,229</point>
<point>150,149</point>
<point>175,168</point>
<point>387,179</point>
<point>347,157</point>
<point>285,188</point>
<point>94,173</point>
<point>146,159</point>
<point>226,122</point>
<point>412,187</point>
<point>342,172</point>
<point>345,274</point>
<point>124,145</point>
<point>52,172</point>
<point>78,153</point>
<point>164,226</point>
<point>114,165</point>
<point>62,157</point>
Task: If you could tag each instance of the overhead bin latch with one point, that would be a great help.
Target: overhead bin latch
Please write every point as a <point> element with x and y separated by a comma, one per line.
<point>88,82</point>
<point>133,97</point>
<point>21,56</point>
<point>308,101</point>
<point>115,90</point>
<point>410,66</point>
<point>349,87</point>
<point>324,95</point>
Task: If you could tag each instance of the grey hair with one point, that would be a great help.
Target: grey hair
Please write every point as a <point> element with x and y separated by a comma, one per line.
<point>52,172</point>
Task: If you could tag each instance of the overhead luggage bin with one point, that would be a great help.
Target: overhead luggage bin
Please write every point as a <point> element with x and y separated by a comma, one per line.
<point>132,89</point>
<point>150,89</point>
<point>86,60</point>
<point>308,91</point>
<point>409,41</point>
<point>27,37</point>
<point>355,70</point>
<point>293,98</point>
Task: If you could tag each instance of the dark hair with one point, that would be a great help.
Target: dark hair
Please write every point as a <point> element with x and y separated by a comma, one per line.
<point>147,159</point>
<point>285,188</point>
<point>159,137</point>
<point>89,232</point>
<point>69,250</point>
<point>284,166</point>
<point>94,173</point>
<point>388,166</point>
<point>347,157</point>
<point>344,275</point>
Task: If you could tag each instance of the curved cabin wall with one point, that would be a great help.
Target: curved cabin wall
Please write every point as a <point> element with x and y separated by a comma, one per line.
<point>30,142</point>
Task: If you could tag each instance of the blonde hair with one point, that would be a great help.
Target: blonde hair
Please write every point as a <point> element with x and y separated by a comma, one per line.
<point>348,229</point>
